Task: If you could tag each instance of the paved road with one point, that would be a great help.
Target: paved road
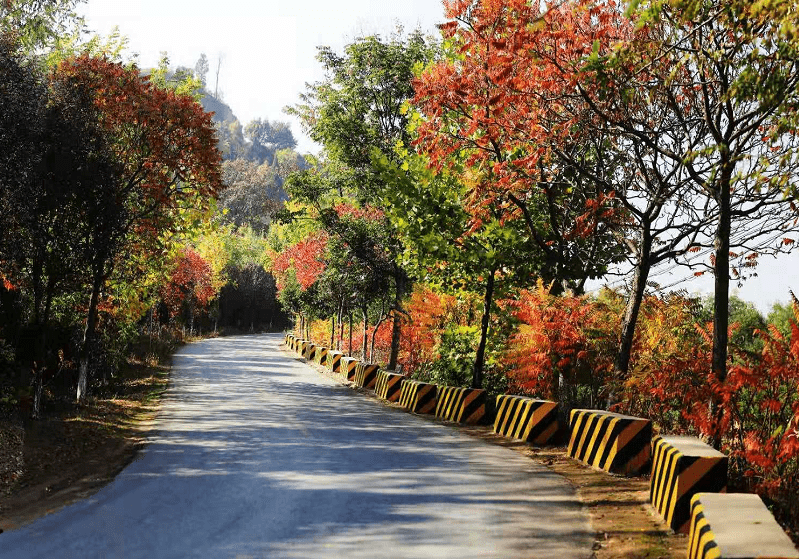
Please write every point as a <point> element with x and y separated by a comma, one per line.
<point>257,455</point>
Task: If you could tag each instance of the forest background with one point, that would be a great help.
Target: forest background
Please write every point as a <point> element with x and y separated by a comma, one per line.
<point>469,188</point>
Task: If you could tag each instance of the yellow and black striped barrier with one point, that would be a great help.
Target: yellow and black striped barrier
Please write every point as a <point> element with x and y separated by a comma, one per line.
<point>389,385</point>
<point>462,405</point>
<point>527,419</point>
<point>287,340</point>
<point>300,348</point>
<point>365,375</point>
<point>418,397</point>
<point>616,443</point>
<point>682,467</point>
<point>309,351</point>
<point>735,525</point>
<point>321,355</point>
<point>347,367</point>
<point>334,360</point>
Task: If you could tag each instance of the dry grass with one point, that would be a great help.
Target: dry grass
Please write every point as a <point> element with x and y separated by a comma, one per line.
<point>74,450</point>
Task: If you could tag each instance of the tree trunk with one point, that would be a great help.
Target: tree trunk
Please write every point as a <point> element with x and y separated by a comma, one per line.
<point>191,318</point>
<point>88,338</point>
<point>721,299</point>
<point>38,371</point>
<point>479,361</point>
<point>374,335</point>
<point>634,300</point>
<point>340,341</point>
<point>365,340</point>
<point>332,331</point>
<point>396,329</point>
<point>350,351</point>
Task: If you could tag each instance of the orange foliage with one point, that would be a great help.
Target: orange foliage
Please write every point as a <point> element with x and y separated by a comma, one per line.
<point>320,334</point>
<point>7,285</point>
<point>513,88</point>
<point>306,258</point>
<point>163,139</point>
<point>190,281</point>
<point>559,339</point>
<point>428,316</point>
<point>761,405</point>
<point>369,213</point>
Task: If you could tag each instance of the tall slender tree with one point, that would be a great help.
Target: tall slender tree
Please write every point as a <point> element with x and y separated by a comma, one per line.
<point>355,113</point>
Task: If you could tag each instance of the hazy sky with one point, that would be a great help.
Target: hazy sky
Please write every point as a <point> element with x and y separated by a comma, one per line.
<point>268,47</point>
<point>268,50</point>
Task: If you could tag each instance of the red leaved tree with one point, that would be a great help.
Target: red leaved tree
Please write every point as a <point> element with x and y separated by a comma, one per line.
<point>305,258</point>
<point>190,287</point>
<point>164,145</point>
<point>761,423</point>
<point>560,343</point>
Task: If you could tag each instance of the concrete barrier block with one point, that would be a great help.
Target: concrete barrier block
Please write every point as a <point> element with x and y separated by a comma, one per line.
<point>300,346</point>
<point>418,397</point>
<point>334,360</point>
<point>347,367</point>
<point>309,351</point>
<point>526,419</point>
<point>682,467</point>
<point>366,375</point>
<point>461,405</point>
<point>321,355</point>
<point>389,385</point>
<point>727,525</point>
<point>616,443</point>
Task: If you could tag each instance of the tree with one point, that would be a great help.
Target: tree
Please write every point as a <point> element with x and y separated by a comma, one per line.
<point>444,246</point>
<point>201,68</point>
<point>781,317</point>
<point>268,138</point>
<point>483,114</point>
<point>165,148</point>
<point>39,23</point>
<point>724,76</point>
<point>357,112</point>
<point>681,128</point>
<point>745,322</point>
<point>252,195</point>
<point>189,288</point>
<point>58,198</point>
<point>477,117</point>
<point>734,85</point>
<point>249,297</point>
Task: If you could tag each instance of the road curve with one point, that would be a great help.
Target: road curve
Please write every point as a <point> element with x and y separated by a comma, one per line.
<point>257,455</point>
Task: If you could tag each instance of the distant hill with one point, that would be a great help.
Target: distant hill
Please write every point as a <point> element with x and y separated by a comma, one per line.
<point>222,111</point>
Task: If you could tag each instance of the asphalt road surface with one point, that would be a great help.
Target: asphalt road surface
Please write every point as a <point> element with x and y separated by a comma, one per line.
<point>258,455</point>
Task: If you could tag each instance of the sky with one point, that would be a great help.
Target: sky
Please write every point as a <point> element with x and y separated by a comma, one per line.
<point>268,53</point>
<point>267,47</point>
